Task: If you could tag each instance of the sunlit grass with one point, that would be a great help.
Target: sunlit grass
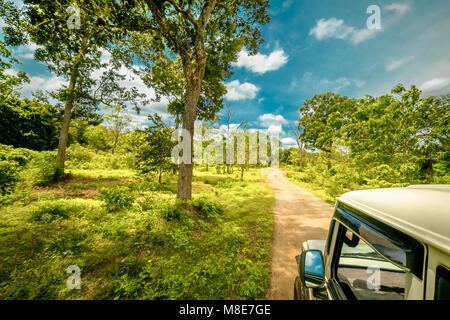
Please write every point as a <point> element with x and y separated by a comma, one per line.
<point>135,252</point>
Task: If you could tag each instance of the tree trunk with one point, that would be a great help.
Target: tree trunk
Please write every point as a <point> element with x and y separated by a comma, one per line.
<point>192,96</point>
<point>61,156</point>
<point>207,168</point>
<point>160,174</point>
<point>242,172</point>
<point>62,146</point>
<point>427,169</point>
<point>115,143</point>
<point>177,122</point>
<point>300,150</point>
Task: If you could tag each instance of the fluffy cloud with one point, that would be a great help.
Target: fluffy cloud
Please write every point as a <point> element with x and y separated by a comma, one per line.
<point>275,130</point>
<point>269,119</point>
<point>26,52</point>
<point>400,8</point>
<point>289,143</point>
<point>240,91</point>
<point>38,83</point>
<point>395,64</point>
<point>261,63</point>
<point>337,29</point>
<point>436,86</point>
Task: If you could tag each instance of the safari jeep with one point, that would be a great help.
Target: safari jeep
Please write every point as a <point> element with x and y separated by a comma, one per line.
<point>388,244</point>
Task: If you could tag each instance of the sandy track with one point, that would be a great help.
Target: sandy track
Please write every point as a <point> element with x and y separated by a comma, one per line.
<point>298,216</point>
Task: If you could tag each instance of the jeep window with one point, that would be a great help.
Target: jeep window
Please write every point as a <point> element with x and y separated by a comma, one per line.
<point>442,284</point>
<point>364,274</point>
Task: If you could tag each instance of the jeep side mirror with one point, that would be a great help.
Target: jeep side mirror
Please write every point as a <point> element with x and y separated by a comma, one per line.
<point>311,269</point>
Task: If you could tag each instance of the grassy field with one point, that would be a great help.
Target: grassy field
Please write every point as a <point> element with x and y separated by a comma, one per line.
<point>132,241</point>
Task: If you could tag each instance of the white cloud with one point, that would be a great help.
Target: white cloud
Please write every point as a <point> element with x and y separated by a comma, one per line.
<point>337,29</point>
<point>275,130</point>
<point>401,8</point>
<point>38,83</point>
<point>26,52</point>
<point>436,86</point>
<point>261,63</point>
<point>269,119</point>
<point>395,64</point>
<point>289,142</point>
<point>237,91</point>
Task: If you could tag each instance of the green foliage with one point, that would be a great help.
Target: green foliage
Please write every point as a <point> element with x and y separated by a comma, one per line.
<point>8,176</point>
<point>174,213</point>
<point>206,208</point>
<point>29,124</point>
<point>97,138</point>
<point>50,211</point>
<point>42,170</point>
<point>78,154</point>
<point>155,155</point>
<point>118,121</point>
<point>12,162</point>
<point>138,254</point>
<point>116,200</point>
<point>395,138</point>
<point>8,83</point>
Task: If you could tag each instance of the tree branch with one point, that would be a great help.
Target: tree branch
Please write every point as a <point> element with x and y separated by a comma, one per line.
<point>186,13</point>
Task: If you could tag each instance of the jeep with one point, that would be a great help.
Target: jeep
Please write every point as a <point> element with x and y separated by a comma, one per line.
<point>382,244</point>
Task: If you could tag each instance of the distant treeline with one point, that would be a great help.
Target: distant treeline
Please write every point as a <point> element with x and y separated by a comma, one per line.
<point>399,137</point>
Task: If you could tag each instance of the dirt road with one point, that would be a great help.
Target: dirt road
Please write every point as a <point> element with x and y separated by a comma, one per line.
<point>299,216</point>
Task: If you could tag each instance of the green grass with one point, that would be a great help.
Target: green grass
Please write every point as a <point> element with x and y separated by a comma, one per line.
<point>329,184</point>
<point>301,179</point>
<point>134,251</point>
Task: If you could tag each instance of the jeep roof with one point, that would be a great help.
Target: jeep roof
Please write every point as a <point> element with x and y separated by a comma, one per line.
<point>421,211</point>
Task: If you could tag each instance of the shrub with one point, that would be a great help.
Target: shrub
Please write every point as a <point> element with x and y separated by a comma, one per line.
<point>173,213</point>
<point>8,176</point>
<point>12,161</point>
<point>78,154</point>
<point>50,211</point>
<point>206,208</point>
<point>20,155</point>
<point>42,170</point>
<point>97,138</point>
<point>116,199</point>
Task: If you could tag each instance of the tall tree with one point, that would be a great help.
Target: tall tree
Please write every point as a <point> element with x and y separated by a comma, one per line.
<point>71,42</point>
<point>322,119</point>
<point>118,121</point>
<point>297,132</point>
<point>203,35</point>
<point>155,154</point>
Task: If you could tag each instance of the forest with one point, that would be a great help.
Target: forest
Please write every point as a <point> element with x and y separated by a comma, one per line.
<point>82,185</point>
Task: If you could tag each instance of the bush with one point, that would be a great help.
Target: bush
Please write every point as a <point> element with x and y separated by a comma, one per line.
<point>173,213</point>
<point>8,176</point>
<point>206,208</point>
<point>97,138</point>
<point>116,199</point>
<point>50,211</point>
<point>20,155</point>
<point>42,170</point>
<point>78,154</point>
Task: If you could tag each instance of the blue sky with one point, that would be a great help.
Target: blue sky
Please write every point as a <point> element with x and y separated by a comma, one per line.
<point>316,46</point>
